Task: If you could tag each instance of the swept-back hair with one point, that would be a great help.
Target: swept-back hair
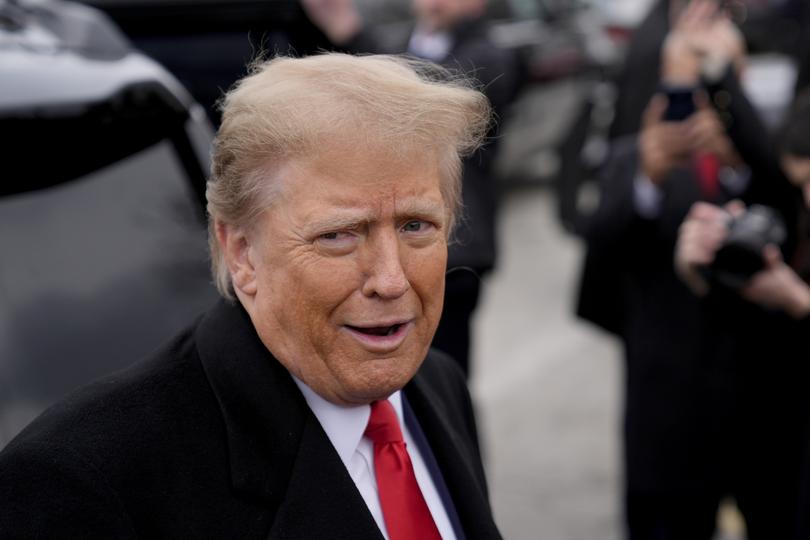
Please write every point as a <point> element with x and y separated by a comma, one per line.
<point>291,108</point>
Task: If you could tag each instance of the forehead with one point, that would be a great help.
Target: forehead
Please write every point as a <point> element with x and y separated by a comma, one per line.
<point>361,178</point>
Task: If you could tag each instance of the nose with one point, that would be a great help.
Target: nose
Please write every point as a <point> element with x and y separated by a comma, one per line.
<point>385,274</point>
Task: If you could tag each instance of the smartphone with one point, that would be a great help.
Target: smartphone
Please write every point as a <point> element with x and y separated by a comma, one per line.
<point>680,103</point>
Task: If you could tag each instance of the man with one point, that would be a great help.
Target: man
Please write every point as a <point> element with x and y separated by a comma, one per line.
<point>674,473</point>
<point>451,33</point>
<point>764,324</point>
<point>282,412</point>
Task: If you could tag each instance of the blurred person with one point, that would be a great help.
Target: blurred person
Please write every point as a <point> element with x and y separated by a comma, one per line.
<point>801,13</point>
<point>452,33</point>
<point>639,78</point>
<point>306,403</point>
<point>765,323</point>
<point>797,167</point>
<point>641,72</point>
<point>690,148</point>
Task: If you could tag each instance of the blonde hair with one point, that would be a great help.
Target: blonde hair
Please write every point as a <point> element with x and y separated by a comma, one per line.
<point>289,108</point>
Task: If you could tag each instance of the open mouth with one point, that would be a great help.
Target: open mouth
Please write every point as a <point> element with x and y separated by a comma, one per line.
<point>378,330</point>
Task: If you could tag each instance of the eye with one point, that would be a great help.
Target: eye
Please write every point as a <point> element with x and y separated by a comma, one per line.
<point>337,242</point>
<point>416,226</point>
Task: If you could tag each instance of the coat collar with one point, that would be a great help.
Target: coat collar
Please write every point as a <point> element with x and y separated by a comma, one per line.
<point>252,388</point>
<point>279,452</point>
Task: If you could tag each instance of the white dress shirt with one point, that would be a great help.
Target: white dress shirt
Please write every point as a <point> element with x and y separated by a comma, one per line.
<point>345,427</point>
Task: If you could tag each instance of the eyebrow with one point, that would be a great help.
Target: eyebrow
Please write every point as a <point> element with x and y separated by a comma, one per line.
<point>351,218</point>
<point>338,220</point>
<point>420,207</point>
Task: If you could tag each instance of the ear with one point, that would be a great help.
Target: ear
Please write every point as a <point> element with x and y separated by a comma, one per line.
<point>236,247</point>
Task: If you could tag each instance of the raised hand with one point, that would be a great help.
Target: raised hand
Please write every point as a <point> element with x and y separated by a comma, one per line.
<point>662,145</point>
<point>708,135</point>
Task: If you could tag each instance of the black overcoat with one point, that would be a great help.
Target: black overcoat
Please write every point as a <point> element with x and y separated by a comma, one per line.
<point>211,438</point>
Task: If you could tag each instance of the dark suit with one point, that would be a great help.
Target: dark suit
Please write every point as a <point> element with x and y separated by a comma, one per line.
<point>640,74</point>
<point>630,288</point>
<point>211,438</point>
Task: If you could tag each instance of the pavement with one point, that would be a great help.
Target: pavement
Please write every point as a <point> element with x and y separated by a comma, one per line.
<point>546,386</point>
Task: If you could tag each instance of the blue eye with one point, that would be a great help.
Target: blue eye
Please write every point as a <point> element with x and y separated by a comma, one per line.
<point>415,226</point>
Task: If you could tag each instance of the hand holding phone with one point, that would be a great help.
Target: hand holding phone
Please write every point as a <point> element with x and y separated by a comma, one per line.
<point>680,103</point>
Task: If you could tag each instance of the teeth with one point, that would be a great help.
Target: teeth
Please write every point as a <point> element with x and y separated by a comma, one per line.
<point>392,330</point>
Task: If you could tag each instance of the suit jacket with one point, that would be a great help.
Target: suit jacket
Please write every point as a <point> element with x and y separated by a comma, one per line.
<point>640,72</point>
<point>211,438</point>
<point>629,287</point>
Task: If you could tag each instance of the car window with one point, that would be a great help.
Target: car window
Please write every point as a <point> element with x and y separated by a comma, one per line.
<point>95,273</point>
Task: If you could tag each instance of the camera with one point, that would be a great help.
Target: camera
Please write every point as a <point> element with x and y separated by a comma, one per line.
<point>740,256</point>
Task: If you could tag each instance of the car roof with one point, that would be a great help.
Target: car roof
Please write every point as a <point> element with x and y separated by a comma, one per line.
<point>58,53</point>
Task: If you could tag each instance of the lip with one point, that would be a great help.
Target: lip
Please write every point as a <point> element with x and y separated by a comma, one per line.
<point>381,344</point>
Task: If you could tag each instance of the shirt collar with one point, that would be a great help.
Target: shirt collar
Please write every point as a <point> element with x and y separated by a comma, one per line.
<point>344,425</point>
<point>434,46</point>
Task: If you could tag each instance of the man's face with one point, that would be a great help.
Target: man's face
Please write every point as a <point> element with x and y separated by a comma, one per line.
<point>798,171</point>
<point>440,15</point>
<point>349,272</point>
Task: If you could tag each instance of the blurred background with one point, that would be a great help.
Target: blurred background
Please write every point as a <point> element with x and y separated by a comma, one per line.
<point>107,110</point>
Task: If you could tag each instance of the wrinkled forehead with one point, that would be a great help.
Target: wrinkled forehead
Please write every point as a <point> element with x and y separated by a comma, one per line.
<point>348,191</point>
<point>346,173</point>
<point>380,173</point>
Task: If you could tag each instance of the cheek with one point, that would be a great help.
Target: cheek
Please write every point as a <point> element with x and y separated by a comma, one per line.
<point>304,292</point>
<point>426,273</point>
<point>318,290</point>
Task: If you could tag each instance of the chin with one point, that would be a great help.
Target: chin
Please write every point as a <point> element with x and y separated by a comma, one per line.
<point>381,383</point>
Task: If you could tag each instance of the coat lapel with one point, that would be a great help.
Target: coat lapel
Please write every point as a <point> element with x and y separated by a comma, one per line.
<point>262,409</point>
<point>322,501</point>
<point>456,457</point>
<point>279,454</point>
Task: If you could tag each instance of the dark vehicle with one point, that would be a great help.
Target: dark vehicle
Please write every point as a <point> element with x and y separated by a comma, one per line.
<point>206,44</point>
<point>102,228</point>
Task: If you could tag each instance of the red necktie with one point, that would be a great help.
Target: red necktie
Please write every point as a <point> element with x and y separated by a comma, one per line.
<point>708,170</point>
<point>406,513</point>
